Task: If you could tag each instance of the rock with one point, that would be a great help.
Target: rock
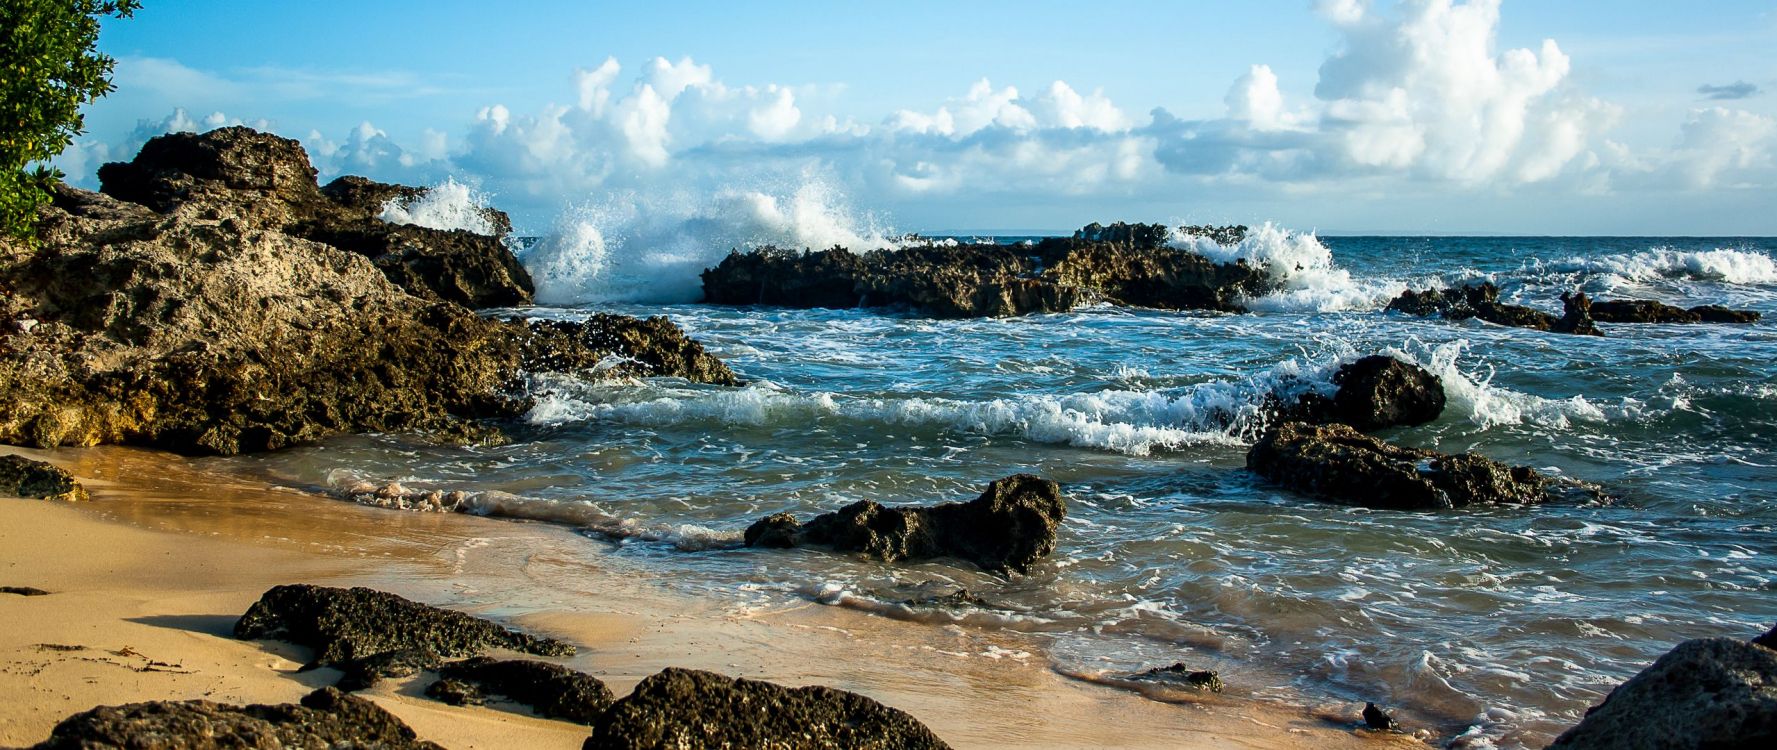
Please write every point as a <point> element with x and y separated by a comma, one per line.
<point>342,625</point>
<point>23,477</point>
<point>1482,301</point>
<point>955,599</point>
<point>1706,693</point>
<point>553,691</point>
<point>1719,314</point>
<point>1576,316</point>
<point>682,708</point>
<point>1181,676</point>
<point>365,672</point>
<point>455,693</point>
<point>1008,528</point>
<point>22,591</point>
<point>966,281</point>
<point>1768,640</point>
<point>1335,462</point>
<point>1379,391</point>
<point>327,718</point>
<point>214,329</point>
<point>1139,236</point>
<point>1377,719</point>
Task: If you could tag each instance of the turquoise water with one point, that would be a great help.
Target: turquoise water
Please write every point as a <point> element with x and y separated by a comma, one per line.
<point>1497,626</point>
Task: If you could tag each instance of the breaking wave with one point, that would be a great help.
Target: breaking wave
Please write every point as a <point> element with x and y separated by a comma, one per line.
<point>1309,279</point>
<point>449,205</point>
<point>1720,265</point>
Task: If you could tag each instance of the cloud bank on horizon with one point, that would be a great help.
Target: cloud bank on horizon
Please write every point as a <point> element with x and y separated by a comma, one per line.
<point>1416,99</point>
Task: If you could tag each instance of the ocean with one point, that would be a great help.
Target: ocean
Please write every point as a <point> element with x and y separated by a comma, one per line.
<point>1494,627</point>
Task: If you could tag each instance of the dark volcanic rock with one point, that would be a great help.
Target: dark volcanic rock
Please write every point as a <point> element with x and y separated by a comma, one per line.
<point>1131,267</point>
<point>1336,462</point>
<point>1482,301</point>
<point>1379,391</point>
<point>552,690</point>
<point>1712,693</point>
<point>682,708</point>
<point>214,328</point>
<point>23,477</point>
<point>346,624</point>
<point>365,672</point>
<point>327,718</point>
<point>1009,527</point>
<point>1650,311</point>
<point>1181,676</point>
<point>1376,718</point>
<point>1768,640</point>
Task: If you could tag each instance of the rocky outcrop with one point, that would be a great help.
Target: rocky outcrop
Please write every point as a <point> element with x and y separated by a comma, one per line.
<point>212,328</point>
<point>1482,301</point>
<point>23,477</point>
<point>1008,528</point>
<point>269,181</point>
<point>1768,640</point>
<point>1337,463</point>
<point>1374,393</point>
<point>968,281</point>
<point>343,625</point>
<point>326,718</point>
<point>683,708</point>
<point>1651,311</point>
<point>553,691</point>
<point>1708,693</point>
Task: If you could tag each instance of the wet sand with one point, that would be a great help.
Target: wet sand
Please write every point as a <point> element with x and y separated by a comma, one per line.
<point>148,578</point>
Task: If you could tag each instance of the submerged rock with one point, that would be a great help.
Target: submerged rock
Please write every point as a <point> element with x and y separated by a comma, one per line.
<point>1651,311</point>
<point>552,690</point>
<point>207,320</point>
<point>1129,265</point>
<point>343,625</point>
<point>23,477</point>
<point>1482,301</point>
<point>1707,693</point>
<point>683,708</point>
<point>1335,462</point>
<point>326,718</point>
<point>1181,676</point>
<point>1008,528</point>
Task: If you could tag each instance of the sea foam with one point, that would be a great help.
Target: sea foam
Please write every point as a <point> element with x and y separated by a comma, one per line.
<point>1309,280</point>
<point>449,205</point>
<point>1721,265</point>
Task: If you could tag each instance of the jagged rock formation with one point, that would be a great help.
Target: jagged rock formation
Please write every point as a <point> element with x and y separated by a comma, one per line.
<point>683,708</point>
<point>203,320</point>
<point>1714,693</point>
<point>552,690</point>
<point>1482,301</point>
<point>1335,462</point>
<point>1650,311</point>
<point>1008,528</point>
<point>23,477</point>
<point>327,718</point>
<point>343,625</point>
<point>1130,265</point>
<point>1182,677</point>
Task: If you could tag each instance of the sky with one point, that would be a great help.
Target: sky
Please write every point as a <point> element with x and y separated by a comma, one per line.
<point>1630,117</point>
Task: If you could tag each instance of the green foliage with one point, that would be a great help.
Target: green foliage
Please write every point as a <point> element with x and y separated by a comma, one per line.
<point>48,69</point>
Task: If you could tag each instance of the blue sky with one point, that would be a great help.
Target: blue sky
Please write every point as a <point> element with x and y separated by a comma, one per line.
<point>1432,116</point>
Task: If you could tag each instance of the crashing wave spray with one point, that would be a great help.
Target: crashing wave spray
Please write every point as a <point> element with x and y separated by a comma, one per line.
<point>1309,279</point>
<point>651,248</point>
<point>448,205</point>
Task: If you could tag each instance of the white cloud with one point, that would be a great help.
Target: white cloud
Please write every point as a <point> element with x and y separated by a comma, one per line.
<point>1719,145</point>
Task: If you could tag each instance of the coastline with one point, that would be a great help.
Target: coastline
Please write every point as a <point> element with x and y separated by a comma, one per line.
<point>164,558</point>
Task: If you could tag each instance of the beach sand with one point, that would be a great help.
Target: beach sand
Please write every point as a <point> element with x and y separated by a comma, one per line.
<point>148,578</point>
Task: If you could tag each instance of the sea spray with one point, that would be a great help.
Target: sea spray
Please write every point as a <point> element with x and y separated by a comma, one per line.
<point>449,205</point>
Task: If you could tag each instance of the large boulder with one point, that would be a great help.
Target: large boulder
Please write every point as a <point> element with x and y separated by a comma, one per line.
<point>326,718</point>
<point>266,182</point>
<point>683,708</point>
<point>1008,528</point>
<point>23,477</point>
<point>343,625</point>
<point>1711,693</point>
<point>1374,393</point>
<point>1122,264</point>
<point>1336,462</point>
<point>211,329</point>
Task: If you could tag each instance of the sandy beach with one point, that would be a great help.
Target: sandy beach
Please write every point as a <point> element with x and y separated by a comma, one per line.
<point>148,578</point>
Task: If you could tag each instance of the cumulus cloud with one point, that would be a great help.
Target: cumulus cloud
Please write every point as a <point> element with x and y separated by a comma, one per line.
<point>1735,90</point>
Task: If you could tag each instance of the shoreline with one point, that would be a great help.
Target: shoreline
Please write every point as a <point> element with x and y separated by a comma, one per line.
<point>164,558</point>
